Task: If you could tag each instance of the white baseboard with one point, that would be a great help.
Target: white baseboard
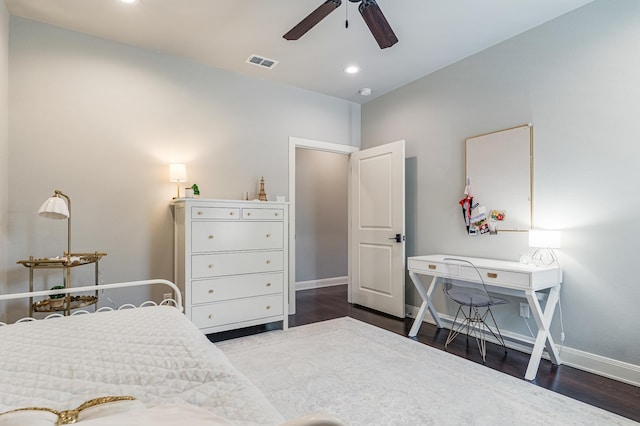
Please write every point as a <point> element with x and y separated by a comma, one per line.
<point>592,363</point>
<point>602,366</point>
<point>325,282</point>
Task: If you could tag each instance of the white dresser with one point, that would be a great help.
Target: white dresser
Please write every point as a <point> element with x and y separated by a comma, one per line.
<point>231,262</point>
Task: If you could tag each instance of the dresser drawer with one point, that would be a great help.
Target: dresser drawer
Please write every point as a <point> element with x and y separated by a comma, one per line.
<point>233,311</point>
<point>215,265</point>
<point>215,213</point>
<point>233,236</point>
<point>262,214</point>
<point>235,287</point>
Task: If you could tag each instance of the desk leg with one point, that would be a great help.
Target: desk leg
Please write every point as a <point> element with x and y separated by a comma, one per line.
<point>426,304</point>
<point>543,320</point>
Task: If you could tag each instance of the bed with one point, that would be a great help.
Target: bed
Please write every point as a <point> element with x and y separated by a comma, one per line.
<point>147,363</point>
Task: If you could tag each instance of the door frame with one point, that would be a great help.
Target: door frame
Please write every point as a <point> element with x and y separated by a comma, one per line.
<point>296,142</point>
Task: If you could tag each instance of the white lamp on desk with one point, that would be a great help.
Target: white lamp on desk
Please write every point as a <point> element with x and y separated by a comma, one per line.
<point>544,242</point>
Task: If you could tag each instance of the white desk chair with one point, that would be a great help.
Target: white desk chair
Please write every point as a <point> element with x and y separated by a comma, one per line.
<point>472,297</point>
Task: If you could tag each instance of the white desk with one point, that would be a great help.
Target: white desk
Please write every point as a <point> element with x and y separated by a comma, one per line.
<point>500,276</point>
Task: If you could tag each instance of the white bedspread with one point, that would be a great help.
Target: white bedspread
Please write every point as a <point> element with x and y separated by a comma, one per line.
<point>154,354</point>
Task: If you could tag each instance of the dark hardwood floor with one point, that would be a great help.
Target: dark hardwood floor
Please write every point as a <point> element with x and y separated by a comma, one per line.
<point>331,302</point>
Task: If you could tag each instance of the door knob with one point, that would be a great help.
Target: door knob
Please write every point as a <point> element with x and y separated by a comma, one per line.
<point>399,238</point>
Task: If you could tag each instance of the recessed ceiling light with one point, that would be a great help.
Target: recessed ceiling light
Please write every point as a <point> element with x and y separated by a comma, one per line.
<point>365,91</point>
<point>128,1</point>
<point>352,69</point>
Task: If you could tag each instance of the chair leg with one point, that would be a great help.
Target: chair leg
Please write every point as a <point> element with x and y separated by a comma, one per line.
<point>499,337</point>
<point>469,321</point>
<point>478,333</point>
<point>476,325</point>
<point>454,331</point>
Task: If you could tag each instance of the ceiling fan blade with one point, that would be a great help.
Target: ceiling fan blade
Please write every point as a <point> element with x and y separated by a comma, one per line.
<point>314,17</point>
<point>377,23</point>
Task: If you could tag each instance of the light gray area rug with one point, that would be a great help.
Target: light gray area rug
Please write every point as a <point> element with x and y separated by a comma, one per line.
<point>365,375</point>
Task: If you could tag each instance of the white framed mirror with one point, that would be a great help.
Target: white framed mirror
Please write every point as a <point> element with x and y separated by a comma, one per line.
<point>499,169</point>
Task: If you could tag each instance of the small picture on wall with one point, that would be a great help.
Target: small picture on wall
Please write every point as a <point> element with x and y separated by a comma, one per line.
<point>479,221</point>
<point>497,215</point>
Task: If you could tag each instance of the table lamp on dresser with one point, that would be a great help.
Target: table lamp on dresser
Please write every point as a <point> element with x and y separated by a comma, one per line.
<point>177,174</point>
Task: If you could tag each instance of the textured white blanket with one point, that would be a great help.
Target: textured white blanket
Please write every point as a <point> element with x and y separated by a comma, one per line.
<point>154,354</point>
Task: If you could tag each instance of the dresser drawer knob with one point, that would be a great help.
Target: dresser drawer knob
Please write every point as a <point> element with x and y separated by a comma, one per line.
<point>210,316</point>
<point>199,213</point>
<point>268,307</point>
<point>230,213</point>
<point>211,266</point>
<point>492,275</point>
<point>210,291</point>
<point>268,235</point>
<point>248,213</point>
<point>211,237</point>
<point>432,266</point>
<point>268,284</point>
<point>276,214</point>
<point>268,262</point>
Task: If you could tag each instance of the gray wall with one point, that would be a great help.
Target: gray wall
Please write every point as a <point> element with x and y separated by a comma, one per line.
<point>321,214</point>
<point>4,145</point>
<point>101,121</point>
<point>576,79</point>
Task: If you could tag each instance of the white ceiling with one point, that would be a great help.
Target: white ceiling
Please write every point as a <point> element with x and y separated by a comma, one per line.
<point>223,33</point>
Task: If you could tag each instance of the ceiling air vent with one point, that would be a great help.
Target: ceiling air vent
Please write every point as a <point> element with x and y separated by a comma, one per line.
<point>261,61</point>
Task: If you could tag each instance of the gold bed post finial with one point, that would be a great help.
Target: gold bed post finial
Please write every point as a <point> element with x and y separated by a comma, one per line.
<point>262,196</point>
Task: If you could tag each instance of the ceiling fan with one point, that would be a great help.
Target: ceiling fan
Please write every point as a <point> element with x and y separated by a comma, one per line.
<point>370,12</point>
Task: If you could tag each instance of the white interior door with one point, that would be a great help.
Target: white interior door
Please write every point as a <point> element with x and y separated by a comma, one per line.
<point>377,259</point>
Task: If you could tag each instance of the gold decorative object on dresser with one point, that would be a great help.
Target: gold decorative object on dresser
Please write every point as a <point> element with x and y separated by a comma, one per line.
<point>262,196</point>
<point>231,262</point>
<point>65,263</point>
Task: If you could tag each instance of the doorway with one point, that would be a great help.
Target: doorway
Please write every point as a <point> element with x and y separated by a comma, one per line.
<point>315,212</point>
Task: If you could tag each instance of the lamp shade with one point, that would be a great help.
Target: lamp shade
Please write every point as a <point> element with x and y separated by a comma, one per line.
<point>54,208</point>
<point>544,239</point>
<point>177,173</point>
